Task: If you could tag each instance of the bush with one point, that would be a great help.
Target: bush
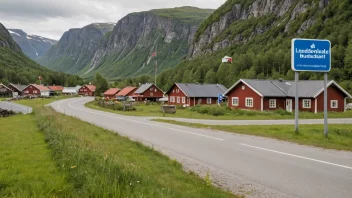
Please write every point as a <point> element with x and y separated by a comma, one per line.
<point>282,112</point>
<point>210,110</point>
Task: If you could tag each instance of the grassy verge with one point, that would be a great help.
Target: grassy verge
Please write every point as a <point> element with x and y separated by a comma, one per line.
<point>340,135</point>
<point>27,168</point>
<point>208,112</point>
<point>101,163</point>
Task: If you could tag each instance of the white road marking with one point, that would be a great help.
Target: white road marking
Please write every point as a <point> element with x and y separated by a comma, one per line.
<point>119,117</point>
<point>297,156</point>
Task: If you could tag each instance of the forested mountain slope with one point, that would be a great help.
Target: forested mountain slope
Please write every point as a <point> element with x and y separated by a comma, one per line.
<point>15,67</point>
<point>258,33</point>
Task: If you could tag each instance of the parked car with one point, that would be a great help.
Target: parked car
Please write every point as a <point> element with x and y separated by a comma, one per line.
<point>349,106</point>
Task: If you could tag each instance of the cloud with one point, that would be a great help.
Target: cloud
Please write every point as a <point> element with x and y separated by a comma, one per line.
<point>52,18</point>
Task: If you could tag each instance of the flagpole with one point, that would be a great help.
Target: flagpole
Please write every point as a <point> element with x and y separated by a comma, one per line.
<point>156,69</point>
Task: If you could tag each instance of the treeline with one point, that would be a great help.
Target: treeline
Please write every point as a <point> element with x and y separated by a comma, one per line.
<point>17,68</point>
<point>268,55</point>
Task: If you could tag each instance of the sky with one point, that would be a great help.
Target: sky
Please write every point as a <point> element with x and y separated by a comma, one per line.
<point>51,18</point>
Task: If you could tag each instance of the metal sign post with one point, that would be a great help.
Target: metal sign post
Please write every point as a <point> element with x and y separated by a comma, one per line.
<point>315,56</point>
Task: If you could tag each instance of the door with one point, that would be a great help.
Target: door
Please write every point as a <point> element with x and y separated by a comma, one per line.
<point>289,105</point>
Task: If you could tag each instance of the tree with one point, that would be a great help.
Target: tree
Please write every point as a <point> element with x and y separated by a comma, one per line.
<point>101,84</point>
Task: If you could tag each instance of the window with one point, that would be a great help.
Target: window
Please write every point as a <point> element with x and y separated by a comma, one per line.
<point>183,100</point>
<point>306,103</point>
<point>35,91</point>
<point>155,90</point>
<point>235,101</point>
<point>178,99</point>
<point>272,103</point>
<point>177,90</point>
<point>249,102</point>
<point>151,94</point>
<point>208,100</point>
<point>200,101</point>
<point>26,91</point>
<point>243,87</point>
<point>172,98</point>
<point>334,104</point>
<point>151,89</point>
<point>173,91</point>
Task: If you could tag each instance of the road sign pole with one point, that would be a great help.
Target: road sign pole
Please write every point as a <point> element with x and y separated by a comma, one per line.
<point>296,102</point>
<point>325,104</point>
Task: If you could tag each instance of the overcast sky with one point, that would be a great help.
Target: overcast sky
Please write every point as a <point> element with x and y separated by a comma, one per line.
<point>51,18</point>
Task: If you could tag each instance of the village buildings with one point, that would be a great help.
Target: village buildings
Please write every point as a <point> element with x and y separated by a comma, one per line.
<point>149,92</point>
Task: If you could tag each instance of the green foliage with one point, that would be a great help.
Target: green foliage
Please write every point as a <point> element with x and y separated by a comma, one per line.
<point>101,84</point>
<point>267,55</point>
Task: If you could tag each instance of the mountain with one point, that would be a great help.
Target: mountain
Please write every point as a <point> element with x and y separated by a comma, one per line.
<point>257,34</point>
<point>76,48</point>
<point>33,46</point>
<point>16,67</point>
<point>126,52</point>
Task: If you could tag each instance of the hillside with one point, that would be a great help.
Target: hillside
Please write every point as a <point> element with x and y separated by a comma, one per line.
<point>76,48</point>
<point>16,67</point>
<point>32,45</point>
<point>126,51</point>
<point>257,34</point>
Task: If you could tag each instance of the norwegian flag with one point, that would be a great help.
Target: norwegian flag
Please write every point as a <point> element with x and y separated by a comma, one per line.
<point>153,54</point>
<point>40,78</point>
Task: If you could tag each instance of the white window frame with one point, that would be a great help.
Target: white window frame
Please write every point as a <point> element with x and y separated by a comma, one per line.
<point>26,91</point>
<point>209,101</point>
<point>243,87</point>
<point>151,94</point>
<point>183,100</point>
<point>178,99</point>
<point>172,98</point>
<point>337,104</point>
<point>155,90</point>
<point>235,104</point>
<point>272,103</point>
<point>34,91</point>
<point>151,89</point>
<point>309,102</point>
<point>249,99</point>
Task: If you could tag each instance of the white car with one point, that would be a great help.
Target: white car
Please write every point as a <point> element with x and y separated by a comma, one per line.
<point>349,106</point>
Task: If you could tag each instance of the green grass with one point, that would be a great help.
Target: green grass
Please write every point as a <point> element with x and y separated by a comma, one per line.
<point>340,135</point>
<point>27,168</point>
<point>155,111</point>
<point>40,102</point>
<point>90,161</point>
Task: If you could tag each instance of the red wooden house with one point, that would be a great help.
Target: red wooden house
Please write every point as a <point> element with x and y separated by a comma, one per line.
<point>264,95</point>
<point>148,92</point>
<point>16,89</point>
<point>111,93</point>
<point>56,90</point>
<point>194,94</point>
<point>5,91</point>
<point>87,90</point>
<point>36,90</point>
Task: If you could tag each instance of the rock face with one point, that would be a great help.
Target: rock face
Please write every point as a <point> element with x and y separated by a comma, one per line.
<point>7,41</point>
<point>33,46</point>
<point>223,28</point>
<point>76,48</point>
<point>127,51</point>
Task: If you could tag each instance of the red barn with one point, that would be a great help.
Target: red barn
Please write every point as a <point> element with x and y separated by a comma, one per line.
<point>36,90</point>
<point>87,90</point>
<point>111,93</point>
<point>148,92</point>
<point>265,95</point>
<point>194,94</point>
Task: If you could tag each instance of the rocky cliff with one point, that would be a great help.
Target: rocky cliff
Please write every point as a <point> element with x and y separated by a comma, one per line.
<point>32,45</point>
<point>7,41</point>
<point>127,50</point>
<point>76,48</point>
<point>236,22</point>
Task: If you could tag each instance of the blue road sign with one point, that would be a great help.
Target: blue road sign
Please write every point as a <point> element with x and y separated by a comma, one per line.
<point>311,55</point>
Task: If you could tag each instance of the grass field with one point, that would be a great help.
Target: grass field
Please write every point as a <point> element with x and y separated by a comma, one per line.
<point>77,159</point>
<point>340,135</point>
<point>155,111</point>
<point>27,168</point>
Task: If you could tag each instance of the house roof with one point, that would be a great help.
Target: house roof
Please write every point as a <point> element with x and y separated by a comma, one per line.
<point>91,87</point>
<point>126,91</point>
<point>5,86</point>
<point>201,90</point>
<point>56,88</point>
<point>19,87</point>
<point>143,88</point>
<point>281,88</point>
<point>112,91</point>
<point>40,87</point>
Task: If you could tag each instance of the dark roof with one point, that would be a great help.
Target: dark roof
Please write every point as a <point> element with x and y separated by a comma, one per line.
<point>201,90</point>
<point>281,88</point>
<point>19,87</point>
<point>143,88</point>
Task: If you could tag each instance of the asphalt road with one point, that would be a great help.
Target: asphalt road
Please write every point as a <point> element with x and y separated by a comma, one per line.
<point>15,107</point>
<point>295,170</point>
